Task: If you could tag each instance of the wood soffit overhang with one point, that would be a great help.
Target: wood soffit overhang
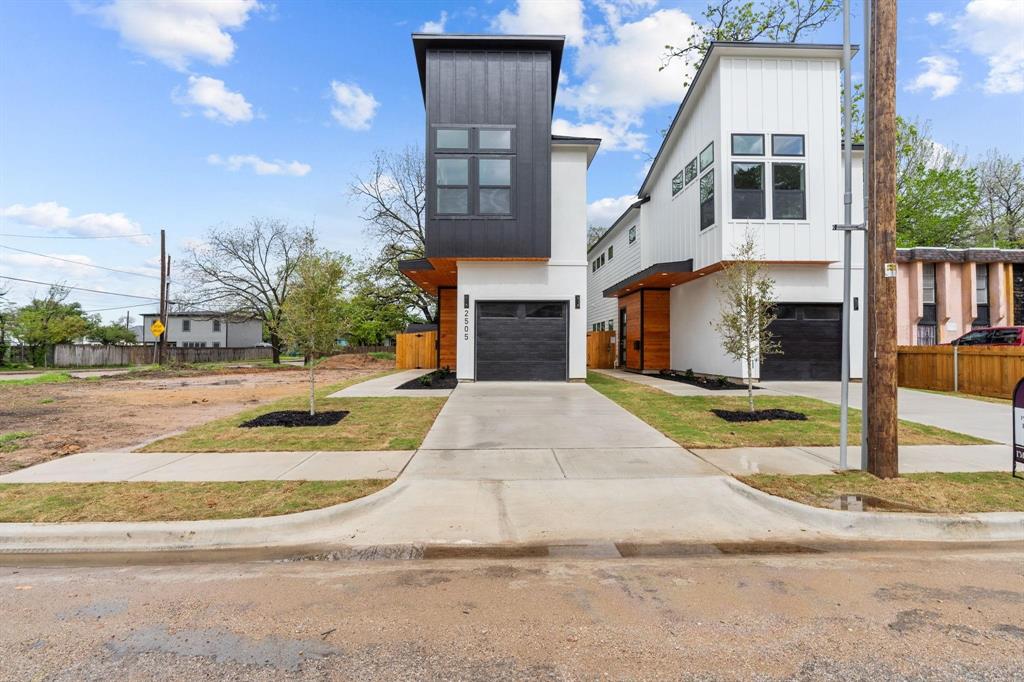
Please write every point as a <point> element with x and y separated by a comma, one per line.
<point>668,275</point>
<point>431,274</point>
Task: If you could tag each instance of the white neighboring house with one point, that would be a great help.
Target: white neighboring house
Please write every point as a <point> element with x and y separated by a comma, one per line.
<point>755,146</point>
<point>205,329</point>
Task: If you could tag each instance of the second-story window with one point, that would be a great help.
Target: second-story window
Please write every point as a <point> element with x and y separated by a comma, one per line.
<point>452,186</point>
<point>789,194</point>
<point>691,170</point>
<point>747,145</point>
<point>981,294</point>
<point>787,145</point>
<point>474,167</point>
<point>632,234</point>
<point>186,325</point>
<point>677,183</point>
<point>216,325</point>
<point>748,191</point>
<point>707,156</point>
<point>927,328</point>
<point>707,200</point>
<point>610,252</point>
<point>495,186</point>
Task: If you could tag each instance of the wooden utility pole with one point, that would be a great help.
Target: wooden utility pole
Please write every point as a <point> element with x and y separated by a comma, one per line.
<point>883,458</point>
<point>162,315</point>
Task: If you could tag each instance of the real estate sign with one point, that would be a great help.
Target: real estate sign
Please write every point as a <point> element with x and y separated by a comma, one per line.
<point>1018,425</point>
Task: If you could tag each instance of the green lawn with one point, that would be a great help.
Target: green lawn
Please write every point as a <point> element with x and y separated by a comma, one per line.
<point>372,424</point>
<point>9,441</point>
<point>955,493</point>
<point>47,378</point>
<point>689,421</point>
<point>137,501</point>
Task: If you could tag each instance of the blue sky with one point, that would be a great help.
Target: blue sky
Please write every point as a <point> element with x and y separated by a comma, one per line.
<point>121,118</point>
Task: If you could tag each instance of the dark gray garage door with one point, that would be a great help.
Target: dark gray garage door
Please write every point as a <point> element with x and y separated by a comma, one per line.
<point>521,341</point>
<point>811,337</point>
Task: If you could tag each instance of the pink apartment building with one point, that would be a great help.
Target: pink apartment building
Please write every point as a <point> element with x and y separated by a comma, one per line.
<point>944,293</point>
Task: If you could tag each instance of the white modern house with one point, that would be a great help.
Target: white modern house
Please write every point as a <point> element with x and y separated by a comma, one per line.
<point>756,146</point>
<point>205,329</point>
<point>506,210</point>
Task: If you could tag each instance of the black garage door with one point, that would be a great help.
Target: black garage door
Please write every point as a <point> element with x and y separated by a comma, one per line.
<point>811,337</point>
<point>521,341</point>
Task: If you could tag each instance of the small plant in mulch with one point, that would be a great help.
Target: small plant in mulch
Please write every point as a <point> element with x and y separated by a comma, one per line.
<point>759,415</point>
<point>438,379</point>
<point>291,418</point>
<point>712,384</point>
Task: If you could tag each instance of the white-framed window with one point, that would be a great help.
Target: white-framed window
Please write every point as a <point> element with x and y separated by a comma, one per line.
<point>216,325</point>
<point>186,325</point>
<point>981,295</point>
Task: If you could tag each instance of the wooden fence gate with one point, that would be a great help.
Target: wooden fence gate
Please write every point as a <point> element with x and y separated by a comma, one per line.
<point>600,350</point>
<point>982,370</point>
<point>416,350</point>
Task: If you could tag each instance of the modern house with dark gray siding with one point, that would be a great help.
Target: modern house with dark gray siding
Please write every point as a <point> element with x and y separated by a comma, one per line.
<point>506,209</point>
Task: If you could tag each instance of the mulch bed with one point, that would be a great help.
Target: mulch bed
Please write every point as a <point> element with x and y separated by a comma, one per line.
<point>759,415</point>
<point>716,384</point>
<point>296,418</point>
<point>438,379</point>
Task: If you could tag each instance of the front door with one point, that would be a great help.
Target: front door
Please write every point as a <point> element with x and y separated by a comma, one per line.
<point>622,337</point>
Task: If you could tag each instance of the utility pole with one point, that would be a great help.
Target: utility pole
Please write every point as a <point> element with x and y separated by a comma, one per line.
<point>162,315</point>
<point>865,283</point>
<point>883,458</point>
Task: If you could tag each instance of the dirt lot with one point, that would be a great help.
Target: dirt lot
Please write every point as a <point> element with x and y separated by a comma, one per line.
<point>122,412</point>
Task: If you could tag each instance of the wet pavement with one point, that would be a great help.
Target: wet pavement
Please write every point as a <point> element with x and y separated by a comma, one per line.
<point>939,614</point>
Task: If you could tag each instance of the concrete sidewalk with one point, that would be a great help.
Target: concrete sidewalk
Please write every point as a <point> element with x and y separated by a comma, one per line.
<point>667,385</point>
<point>95,467</point>
<point>387,387</point>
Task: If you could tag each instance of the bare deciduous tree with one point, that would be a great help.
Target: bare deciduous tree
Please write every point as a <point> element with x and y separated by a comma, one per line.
<point>747,21</point>
<point>394,212</point>
<point>1001,214</point>
<point>747,296</point>
<point>246,271</point>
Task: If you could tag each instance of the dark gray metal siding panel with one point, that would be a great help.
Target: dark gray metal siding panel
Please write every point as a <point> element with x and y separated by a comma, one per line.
<point>495,87</point>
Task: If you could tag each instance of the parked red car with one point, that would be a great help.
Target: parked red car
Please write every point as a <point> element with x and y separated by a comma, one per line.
<point>992,336</point>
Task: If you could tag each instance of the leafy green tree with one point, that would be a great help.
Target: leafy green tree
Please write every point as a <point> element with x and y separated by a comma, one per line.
<point>313,315</point>
<point>936,193</point>
<point>747,298</point>
<point>109,334</point>
<point>778,21</point>
<point>46,322</point>
<point>7,313</point>
<point>377,309</point>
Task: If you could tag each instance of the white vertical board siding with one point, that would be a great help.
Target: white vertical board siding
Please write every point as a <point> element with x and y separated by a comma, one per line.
<point>626,262</point>
<point>674,222</point>
<point>794,96</point>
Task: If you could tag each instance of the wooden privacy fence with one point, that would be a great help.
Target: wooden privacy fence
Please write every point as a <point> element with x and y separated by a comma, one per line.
<point>600,350</point>
<point>982,370</point>
<point>416,350</point>
<point>75,355</point>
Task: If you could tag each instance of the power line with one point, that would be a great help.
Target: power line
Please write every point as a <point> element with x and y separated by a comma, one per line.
<point>65,286</point>
<point>54,236</point>
<point>117,307</point>
<point>75,262</point>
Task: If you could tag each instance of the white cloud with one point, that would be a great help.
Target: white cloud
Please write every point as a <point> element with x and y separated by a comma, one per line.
<point>603,212</point>
<point>353,107</point>
<point>992,29</point>
<point>941,75</point>
<point>176,32</point>
<point>615,136</point>
<point>217,102</point>
<point>259,166</point>
<point>935,18</point>
<point>547,17</point>
<point>435,26</point>
<point>50,216</point>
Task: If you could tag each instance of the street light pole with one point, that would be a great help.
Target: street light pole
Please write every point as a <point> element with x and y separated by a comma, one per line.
<point>844,401</point>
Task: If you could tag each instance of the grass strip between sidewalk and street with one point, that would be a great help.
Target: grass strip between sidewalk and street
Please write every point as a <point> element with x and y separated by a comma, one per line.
<point>139,501</point>
<point>948,493</point>
<point>688,420</point>
<point>372,424</point>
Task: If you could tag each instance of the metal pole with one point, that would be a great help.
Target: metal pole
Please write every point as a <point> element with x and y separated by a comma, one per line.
<point>865,301</point>
<point>956,368</point>
<point>844,401</point>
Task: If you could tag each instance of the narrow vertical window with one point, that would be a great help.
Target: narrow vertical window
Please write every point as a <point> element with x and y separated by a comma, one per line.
<point>789,194</point>
<point>707,200</point>
<point>495,186</point>
<point>677,183</point>
<point>691,171</point>
<point>927,328</point>
<point>707,156</point>
<point>748,191</point>
<point>981,295</point>
<point>632,234</point>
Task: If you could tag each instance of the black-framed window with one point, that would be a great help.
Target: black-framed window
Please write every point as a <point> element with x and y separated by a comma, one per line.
<point>748,191</point>
<point>707,200</point>
<point>747,144</point>
<point>495,139</point>
<point>691,170</point>
<point>495,180</point>
<point>449,139</point>
<point>452,179</point>
<point>928,326</point>
<point>632,234</point>
<point>981,294</point>
<point>707,156</point>
<point>789,191</point>
<point>611,252</point>
<point>216,325</point>
<point>186,325</point>
<point>787,145</point>
<point>677,183</point>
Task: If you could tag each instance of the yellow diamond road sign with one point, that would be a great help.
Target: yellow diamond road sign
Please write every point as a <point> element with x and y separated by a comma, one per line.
<point>157,328</point>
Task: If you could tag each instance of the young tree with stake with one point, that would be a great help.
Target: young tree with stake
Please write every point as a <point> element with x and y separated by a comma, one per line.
<point>313,315</point>
<point>747,299</point>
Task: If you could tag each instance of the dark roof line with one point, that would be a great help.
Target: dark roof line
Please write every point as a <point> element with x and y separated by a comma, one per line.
<point>938,254</point>
<point>700,70</point>
<point>635,204</point>
<point>673,267</point>
<point>572,139</point>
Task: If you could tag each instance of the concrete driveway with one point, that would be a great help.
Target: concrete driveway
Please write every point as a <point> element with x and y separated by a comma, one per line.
<point>544,431</point>
<point>964,415</point>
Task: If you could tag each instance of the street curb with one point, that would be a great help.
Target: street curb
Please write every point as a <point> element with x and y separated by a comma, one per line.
<point>981,527</point>
<point>303,528</point>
